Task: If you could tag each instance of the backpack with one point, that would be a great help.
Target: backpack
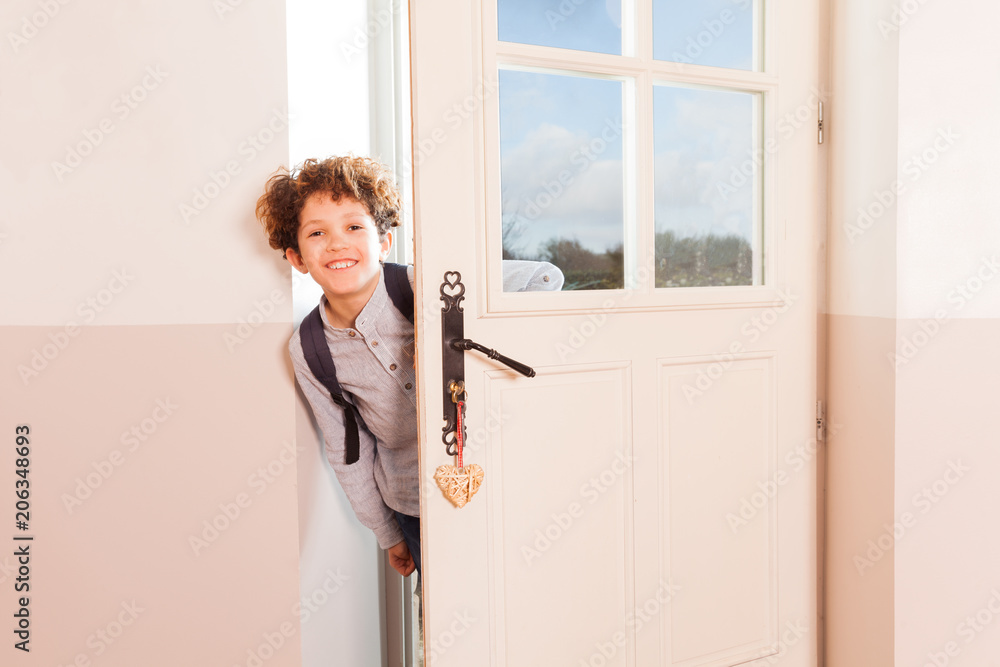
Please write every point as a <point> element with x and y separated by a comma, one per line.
<point>317,354</point>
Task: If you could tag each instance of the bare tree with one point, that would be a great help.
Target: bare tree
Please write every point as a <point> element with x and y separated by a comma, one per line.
<point>513,229</point>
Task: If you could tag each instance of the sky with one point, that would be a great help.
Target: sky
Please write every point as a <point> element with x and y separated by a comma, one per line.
<point>561,135</point>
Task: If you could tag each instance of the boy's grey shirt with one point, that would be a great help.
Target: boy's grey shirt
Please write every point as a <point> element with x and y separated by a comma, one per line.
<point>376,376</point>
<point>375,370</point>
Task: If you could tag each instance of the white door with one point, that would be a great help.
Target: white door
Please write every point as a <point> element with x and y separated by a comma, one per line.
<point>649,496</point>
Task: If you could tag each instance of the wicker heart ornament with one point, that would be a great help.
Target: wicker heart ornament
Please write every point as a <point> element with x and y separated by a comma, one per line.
<point>459,484</point>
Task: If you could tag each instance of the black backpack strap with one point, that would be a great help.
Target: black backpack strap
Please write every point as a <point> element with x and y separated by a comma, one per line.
<point>397,284</point>
<point>317,354</point>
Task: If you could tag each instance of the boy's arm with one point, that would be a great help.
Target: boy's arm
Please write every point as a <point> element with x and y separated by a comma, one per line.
<point>357,479</point>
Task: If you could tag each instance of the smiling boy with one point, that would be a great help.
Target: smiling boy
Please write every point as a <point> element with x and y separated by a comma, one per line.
<point>332,219</point>
<point>340,247</point>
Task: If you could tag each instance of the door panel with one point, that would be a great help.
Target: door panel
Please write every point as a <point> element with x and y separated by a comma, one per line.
<point>639,505</point>
<point>577,506</point>
<point>714,443</point>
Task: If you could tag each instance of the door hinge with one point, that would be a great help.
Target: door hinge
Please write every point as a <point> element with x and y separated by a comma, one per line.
<point>820,422</point>
<point>820,123</point>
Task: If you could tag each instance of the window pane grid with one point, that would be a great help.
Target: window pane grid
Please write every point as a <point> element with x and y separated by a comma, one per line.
<point>723,239</point>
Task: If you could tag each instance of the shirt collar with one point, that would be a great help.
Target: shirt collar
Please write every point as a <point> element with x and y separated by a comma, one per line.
<point>376,303</point>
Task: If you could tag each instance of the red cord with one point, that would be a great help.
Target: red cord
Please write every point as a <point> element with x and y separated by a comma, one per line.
<point>458,432</point>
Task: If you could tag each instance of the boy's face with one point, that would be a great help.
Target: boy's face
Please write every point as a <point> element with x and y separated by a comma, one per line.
<point>339,247</point>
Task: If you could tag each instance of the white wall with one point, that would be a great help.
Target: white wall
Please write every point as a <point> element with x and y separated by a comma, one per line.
<point>328,90</point>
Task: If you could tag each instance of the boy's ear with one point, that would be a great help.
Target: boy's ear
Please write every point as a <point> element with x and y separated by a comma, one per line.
<point>386,246</point>
<point>295,259</point>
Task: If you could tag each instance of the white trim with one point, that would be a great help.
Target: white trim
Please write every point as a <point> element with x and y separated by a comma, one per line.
<point>639,73</point>
<point>389,86</point>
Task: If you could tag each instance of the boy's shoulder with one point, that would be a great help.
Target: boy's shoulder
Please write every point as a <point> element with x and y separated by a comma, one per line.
<point>295,347</point>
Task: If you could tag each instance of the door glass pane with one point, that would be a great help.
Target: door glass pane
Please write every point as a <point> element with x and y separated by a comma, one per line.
<point>592,25</point>
<point>561,179</point>
<point>720,33</point>
<point>707,186</point>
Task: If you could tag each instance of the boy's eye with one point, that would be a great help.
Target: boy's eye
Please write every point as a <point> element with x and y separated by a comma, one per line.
<point>315,233</point>
<point>355,227</point>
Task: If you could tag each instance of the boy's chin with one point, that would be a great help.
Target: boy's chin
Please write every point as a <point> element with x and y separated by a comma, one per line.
<point>349,285</point>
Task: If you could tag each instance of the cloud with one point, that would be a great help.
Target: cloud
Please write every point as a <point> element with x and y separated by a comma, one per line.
<point>556,188</point>
<point>554,184</point>
<point>702,136</point>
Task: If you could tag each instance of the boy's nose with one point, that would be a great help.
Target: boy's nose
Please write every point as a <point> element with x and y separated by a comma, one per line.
<point>335,242</point>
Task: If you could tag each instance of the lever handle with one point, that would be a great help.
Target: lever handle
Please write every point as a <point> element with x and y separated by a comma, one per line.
<point>466,344</point>
<point>453,347</point>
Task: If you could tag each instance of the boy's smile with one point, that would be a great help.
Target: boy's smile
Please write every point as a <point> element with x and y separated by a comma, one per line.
<point>340,248</point>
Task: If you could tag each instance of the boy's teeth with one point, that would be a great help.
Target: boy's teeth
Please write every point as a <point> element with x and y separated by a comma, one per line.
<point>341,265</point>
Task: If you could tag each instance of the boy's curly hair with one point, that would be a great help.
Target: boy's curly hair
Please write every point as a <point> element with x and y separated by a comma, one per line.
<point>364,179</point>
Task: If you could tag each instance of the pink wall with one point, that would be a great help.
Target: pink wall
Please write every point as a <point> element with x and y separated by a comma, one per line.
<point>863,115</point>
<point>914,313</point>
<point>143,322</point>
<point>947,582</point>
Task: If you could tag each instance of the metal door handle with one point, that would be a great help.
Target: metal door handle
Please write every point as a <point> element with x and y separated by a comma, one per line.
<point>453,347</point>
<point>466,344</point>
